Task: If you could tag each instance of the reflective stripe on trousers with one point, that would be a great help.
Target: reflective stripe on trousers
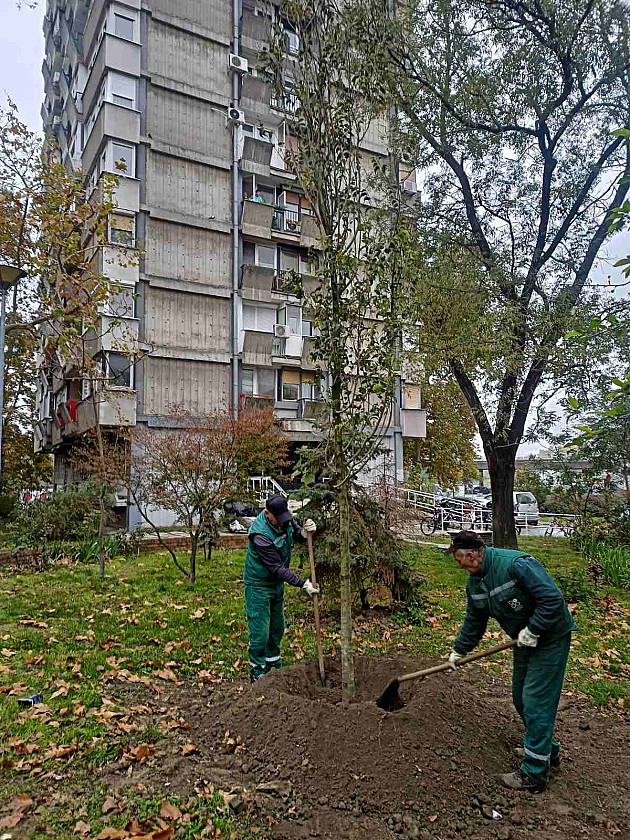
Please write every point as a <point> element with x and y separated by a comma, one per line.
<point>265,622</point>
<point>536,686</point>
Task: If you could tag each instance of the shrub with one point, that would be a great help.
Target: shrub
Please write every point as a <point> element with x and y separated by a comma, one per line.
<point>71,515</point>
<point>614,562</point>
<point>576,586</point>
<point>377,560</point>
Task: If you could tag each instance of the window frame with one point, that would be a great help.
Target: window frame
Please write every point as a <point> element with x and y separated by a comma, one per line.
<point>107,371</point>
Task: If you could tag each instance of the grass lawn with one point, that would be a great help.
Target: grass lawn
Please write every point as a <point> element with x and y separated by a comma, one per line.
<point>72,637</point>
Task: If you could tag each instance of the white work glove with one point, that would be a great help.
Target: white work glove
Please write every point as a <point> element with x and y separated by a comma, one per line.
<point>308,527</point>
<point>308,587</point>
<point>454,659</point>
<point>526,638</point>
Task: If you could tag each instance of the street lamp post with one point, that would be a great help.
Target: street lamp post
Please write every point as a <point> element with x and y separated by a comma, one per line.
<point>9,276</point>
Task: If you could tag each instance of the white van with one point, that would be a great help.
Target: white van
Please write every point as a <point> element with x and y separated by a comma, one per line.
<point>525,508</point>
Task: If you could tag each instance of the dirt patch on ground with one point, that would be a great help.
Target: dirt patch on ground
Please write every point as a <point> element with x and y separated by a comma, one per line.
<point>307,765</point>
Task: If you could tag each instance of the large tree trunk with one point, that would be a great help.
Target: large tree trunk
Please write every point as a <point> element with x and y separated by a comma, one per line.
<point>501,467</point>
<point>347,661</point>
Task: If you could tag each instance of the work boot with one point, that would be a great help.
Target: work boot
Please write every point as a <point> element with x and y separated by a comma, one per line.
<point>520,781</point>
<point>519,752</point>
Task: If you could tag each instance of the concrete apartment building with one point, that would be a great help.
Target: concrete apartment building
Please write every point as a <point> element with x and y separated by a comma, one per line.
<point>170,88</point>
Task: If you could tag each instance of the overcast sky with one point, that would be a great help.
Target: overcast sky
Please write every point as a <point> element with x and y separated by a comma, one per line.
<point>21,55</point>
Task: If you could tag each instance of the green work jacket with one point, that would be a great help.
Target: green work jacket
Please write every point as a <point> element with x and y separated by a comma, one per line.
<point>256,572</point>
<point>516,590</point>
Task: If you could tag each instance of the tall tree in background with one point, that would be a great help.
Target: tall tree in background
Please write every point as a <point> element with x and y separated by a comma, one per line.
<point>447,454</point>
<point>360,252</point>
<point>511,109</point>
<point>52,230</point>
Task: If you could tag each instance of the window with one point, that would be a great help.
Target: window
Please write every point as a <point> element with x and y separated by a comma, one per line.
<point>121,90</point>
<point>121,302</point>
<point>289,385</point>
<point>307,328</point>
<point>123,159</point>
<point>258,382</point>
<point>291,316</point>
<point>412,396</point>
<point>247,381</point>
<point>117,370</point>
<point>122,229</point>
<point>124,27</point>
<point>265,256</point>
<point>311,387</point>
<point>258,318</point>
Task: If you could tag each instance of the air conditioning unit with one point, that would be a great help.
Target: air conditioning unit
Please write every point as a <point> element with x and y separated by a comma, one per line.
<point>236,116</point>
<point>56,121</point>
<point>56,79</point>
<point>238,63</point>
<point>281,331</point>
<point>410,187</point>
<point>86,389</point>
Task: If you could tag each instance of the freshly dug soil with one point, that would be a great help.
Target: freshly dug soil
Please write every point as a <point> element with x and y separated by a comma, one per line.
<point>312,766</point>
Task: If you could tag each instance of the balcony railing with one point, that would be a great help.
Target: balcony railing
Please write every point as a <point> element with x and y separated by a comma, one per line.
<point>288,103</point>
<point>287,282</point>
<point>287,220</point>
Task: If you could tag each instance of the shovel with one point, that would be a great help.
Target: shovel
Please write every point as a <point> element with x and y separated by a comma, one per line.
<point>390,699</point>
<point>318,631</point>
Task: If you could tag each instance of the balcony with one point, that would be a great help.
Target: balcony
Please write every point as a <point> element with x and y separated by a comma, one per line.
<point>119,335</point>
<point>258,277</point>
<point>414,422</point>
<point>288,351</point>
<point>112,121</point>
<point>287,221</point>
<point>254,401</point>
<point>257,347</point>
<point>113,408</point>
<point>288,104</point>
<point>310,233</point>
<point>257,219</point>
<point>288,283</point>
<point>255,31</point>
<point>313,410</point>
<point>113,54</point>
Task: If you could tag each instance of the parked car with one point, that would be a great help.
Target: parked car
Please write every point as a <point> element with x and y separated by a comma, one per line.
<point>525,508</point>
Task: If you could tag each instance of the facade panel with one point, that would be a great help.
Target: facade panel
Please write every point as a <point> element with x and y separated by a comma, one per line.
<point>179,320</point>
<point>188,253</point>
<point>187,124</point>
<point>214,15</point>
<point>201,387</point>
<point>188,188</point>
<point>187,58</point>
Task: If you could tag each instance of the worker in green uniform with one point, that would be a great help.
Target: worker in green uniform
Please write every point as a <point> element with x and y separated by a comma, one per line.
<point>516,589</point>
<point>269,547</point>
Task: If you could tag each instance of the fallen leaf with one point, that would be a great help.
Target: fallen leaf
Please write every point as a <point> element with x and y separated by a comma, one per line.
<point>18,807</point>
<point>112,834</point>
<point>81,828</point>
<point>166,674</point>
<point>189,749</point>
<point>170,812</point>
<point>433,818</point>
<point>109,805</point>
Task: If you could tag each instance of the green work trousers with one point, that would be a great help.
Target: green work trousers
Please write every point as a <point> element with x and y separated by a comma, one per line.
<point>536,685</point>
<point>265,621</point>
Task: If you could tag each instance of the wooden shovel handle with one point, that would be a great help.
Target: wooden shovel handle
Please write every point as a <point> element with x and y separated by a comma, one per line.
<point>463,661</point>
<point>318,632</point>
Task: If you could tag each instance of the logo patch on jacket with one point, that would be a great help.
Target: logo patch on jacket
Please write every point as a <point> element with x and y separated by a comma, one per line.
<point>515,604</point>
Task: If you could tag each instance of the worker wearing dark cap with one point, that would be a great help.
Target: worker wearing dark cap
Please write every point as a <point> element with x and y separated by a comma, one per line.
<point>269,547</point>
<point>516,589</point>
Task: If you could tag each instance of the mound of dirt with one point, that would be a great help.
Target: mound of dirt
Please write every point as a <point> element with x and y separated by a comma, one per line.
<point>310,765</point>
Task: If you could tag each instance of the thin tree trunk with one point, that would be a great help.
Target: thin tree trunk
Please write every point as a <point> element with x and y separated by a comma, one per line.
<point>192,574</point>
<point>102,517</point>
<point>347,660</point>
<point>501,467</point>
